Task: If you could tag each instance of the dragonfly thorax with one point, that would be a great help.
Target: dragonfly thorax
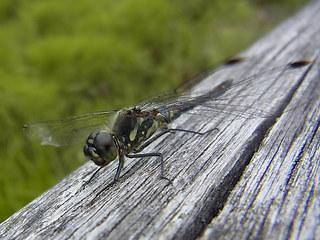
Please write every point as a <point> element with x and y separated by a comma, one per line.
<point>134,126</point>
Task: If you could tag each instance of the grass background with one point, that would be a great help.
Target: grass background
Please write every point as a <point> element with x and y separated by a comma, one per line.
<point>60,58</point>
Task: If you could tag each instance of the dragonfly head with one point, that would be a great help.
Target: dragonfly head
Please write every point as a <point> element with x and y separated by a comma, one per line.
<point>100,148</point>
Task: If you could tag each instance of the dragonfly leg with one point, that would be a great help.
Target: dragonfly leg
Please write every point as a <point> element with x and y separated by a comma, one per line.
<point>121,156</point>
<point>170,130</point>
<point>148,142</point>
<point>159,155</point>
<point>120,166</point>
<point>87,182</point>
<point>190,131</point>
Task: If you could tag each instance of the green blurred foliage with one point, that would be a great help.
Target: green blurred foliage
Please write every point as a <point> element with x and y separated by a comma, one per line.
<point>59,58</point>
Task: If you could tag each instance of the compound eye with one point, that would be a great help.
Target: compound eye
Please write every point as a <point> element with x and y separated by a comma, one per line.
<point>103,141</point>
<point>100,148</point>
<point>90,139</point>
<point>92,154</point>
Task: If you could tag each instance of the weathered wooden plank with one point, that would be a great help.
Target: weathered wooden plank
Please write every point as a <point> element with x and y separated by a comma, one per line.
<point>278,195</point>
<point>255,177</point>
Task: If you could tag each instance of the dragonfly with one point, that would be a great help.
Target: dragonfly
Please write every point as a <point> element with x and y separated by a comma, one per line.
<point>125,133</point>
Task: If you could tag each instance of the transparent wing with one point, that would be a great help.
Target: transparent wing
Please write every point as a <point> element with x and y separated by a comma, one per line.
<point>71,130</point>
<point>215,100</point>
<point>181,93</point>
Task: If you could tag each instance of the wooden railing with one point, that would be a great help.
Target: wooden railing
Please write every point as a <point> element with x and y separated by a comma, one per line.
<point>257,176</point>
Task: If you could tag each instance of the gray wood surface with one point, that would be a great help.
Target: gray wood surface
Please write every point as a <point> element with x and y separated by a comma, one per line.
<point>257,177</point>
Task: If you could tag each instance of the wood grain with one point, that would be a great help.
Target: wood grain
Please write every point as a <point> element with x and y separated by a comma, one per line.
<point>257,177</point>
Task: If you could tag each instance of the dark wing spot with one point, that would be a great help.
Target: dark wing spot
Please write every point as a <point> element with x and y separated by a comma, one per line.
<point>234,60</point>
<point>299,63</point>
